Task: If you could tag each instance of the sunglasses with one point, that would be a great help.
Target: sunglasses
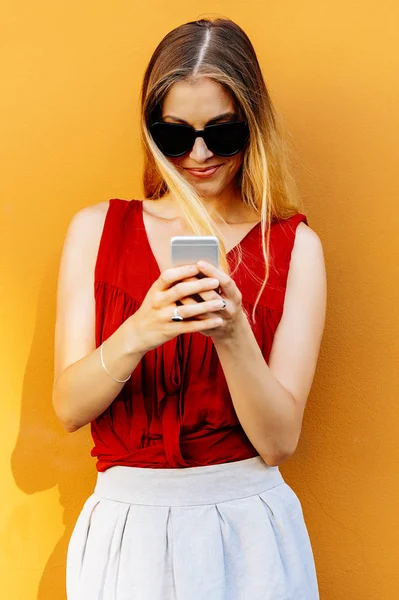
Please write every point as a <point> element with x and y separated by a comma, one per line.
<point>223,139</point>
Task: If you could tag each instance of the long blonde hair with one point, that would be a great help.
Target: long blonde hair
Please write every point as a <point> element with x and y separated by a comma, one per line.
<point>220,50</point>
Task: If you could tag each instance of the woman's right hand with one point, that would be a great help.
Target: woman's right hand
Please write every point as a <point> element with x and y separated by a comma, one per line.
<point>152,325</point>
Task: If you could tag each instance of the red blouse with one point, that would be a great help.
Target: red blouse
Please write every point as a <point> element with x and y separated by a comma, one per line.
<point>176,409</point>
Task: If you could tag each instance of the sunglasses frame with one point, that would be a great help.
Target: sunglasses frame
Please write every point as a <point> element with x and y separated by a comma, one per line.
<point>198,133</point>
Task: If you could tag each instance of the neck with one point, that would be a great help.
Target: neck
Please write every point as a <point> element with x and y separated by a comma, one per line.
<point>227,207</point>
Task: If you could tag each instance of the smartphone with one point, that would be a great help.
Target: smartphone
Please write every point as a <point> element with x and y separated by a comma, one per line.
<point>187,250</point>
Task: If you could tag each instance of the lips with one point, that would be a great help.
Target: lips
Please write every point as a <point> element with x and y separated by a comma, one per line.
<point>204,173</point>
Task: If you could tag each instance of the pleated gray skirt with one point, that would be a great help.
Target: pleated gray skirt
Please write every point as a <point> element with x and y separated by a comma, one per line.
<point>233,531</point>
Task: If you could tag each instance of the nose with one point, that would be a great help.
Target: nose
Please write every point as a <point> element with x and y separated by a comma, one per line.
<point>200,152</point>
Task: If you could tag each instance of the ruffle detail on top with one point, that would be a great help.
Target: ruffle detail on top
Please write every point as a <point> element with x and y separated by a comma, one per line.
<point>112,430</point>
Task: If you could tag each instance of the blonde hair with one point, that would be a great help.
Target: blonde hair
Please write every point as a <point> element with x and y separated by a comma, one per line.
<point>220,50</point>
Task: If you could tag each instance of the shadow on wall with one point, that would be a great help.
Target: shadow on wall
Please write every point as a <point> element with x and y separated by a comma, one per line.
<point>46,455</point>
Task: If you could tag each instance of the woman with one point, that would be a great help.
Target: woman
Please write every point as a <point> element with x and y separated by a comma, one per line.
<point>192,417</point>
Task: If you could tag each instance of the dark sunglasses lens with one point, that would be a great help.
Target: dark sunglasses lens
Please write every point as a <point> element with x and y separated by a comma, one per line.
<point>226,139</point>
<point>172,139</point>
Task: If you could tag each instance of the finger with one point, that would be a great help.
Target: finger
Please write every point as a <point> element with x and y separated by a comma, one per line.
<point>203,266</point>
<point>199,325</point>
<point>204,296</point>
<point>188,311</point>
<point>171,276</point>
<point>184,289</point>
<point>222,309</point>
<point>227,285</point>
<point>205,316</point>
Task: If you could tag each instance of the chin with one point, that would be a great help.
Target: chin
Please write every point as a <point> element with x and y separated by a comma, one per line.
<point>208,191</point>
<point>210,188</point>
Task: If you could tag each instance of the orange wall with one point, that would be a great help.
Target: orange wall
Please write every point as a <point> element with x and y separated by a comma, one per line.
<point>70,138</point>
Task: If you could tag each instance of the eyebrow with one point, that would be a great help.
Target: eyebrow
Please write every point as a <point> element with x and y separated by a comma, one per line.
<point>227,115</point>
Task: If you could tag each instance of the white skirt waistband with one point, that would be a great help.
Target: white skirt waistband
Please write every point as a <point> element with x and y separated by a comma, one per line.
<point>191,486</point>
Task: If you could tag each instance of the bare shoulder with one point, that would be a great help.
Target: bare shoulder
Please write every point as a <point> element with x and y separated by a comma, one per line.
<point>306,241</point>
<point>89,220</point>
<point>75,316</point>
<point>307,266</point>
<point>298,337</point>
<point>85,230</point>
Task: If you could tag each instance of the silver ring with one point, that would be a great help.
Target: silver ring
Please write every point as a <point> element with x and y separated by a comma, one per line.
<point>224,304</point>
<point>176,317</point>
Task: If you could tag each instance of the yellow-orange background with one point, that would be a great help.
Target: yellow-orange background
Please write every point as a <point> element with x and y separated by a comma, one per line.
<point>69,119</point>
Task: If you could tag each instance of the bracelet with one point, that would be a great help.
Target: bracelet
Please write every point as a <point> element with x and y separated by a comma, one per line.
<point>106,370</point>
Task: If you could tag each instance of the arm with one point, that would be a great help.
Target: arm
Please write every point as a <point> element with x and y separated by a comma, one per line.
<point>270,399</point>
<point>82,389</point>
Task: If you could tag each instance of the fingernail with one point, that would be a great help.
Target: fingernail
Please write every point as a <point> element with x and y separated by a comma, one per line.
<point>218,303</point>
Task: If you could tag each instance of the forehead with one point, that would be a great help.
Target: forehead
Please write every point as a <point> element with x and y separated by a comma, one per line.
<point>198,101</point>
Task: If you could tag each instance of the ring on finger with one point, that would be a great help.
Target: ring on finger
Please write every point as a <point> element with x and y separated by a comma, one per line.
<point>176,316</point>
<point>223,305</point>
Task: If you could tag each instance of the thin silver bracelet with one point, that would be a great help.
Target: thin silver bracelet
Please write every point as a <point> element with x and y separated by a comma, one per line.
<point>106,370</point>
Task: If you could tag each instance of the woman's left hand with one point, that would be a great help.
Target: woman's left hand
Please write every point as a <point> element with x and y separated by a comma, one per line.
<point>228,292</point>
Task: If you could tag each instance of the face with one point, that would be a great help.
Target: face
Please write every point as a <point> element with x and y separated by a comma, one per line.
<point>200,103</point>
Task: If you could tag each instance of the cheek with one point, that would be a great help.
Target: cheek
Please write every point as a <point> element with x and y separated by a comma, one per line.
<point>176,162</point>
<point>235,163</point>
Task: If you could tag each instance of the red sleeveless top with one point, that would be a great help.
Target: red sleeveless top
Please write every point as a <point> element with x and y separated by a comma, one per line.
<point>176,409</point>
